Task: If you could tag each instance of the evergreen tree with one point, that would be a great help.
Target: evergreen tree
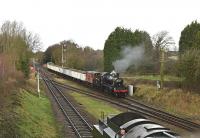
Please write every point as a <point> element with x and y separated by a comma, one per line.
<point>190,37</point>
<point>121,38</point>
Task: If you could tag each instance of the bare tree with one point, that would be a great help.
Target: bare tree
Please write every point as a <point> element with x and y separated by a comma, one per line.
<point>161,42</point>
<point>33,41</point>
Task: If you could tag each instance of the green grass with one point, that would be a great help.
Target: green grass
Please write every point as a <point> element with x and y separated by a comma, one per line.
<point>156,77</point>
<point>36,117</point>
<point>93,106</point>
<point>72,83</point>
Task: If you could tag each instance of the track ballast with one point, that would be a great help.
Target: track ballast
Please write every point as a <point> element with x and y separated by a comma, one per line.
<point>80,127</point>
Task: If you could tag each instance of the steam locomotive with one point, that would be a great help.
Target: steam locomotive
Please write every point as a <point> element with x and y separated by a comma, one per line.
<point>107,82</point>
<point>110,82</point>
<point>130,125</point>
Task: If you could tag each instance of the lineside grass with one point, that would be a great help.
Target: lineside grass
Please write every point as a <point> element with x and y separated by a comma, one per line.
<point>36,117</point>
<point>152,77</point>
<point>72,83</point>
<point>174,101</point>
<point>93,106</point>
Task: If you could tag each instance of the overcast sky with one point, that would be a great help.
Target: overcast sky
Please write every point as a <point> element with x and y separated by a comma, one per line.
<point>89,22</point>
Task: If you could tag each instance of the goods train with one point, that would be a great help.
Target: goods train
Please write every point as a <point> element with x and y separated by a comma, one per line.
<point>130,125</point>
<point>108,82</point>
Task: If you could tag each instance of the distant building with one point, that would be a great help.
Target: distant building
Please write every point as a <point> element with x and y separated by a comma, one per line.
<point>172,55</point>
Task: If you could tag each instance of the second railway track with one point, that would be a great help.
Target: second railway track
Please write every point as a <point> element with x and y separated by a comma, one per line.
<point>80,127</point>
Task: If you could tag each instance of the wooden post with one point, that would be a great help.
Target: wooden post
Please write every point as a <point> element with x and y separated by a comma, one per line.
<point>38,83</point>
<point>162,68</point>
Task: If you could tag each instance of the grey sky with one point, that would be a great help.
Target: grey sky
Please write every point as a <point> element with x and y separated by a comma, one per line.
<point>89,22</point>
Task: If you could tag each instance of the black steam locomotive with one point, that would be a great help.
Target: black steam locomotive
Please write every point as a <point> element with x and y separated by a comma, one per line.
<point>110,82</point>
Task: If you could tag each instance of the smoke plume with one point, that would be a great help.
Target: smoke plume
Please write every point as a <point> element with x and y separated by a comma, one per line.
<point>130,56</point>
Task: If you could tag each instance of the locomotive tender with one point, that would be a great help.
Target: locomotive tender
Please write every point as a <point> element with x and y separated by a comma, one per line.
<point>108,82</point>
<point>130,125</point>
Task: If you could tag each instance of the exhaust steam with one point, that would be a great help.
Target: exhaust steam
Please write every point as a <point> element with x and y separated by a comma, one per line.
<point>130,56</point>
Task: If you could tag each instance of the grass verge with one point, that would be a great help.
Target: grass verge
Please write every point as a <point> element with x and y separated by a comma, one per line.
<point>36,117</point>
<point>93,106</point>
<point>154,77</point>
<point>175,101</point>
<point>72,83</point>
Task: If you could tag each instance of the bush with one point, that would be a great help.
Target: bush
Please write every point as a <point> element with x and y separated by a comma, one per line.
<point>190,67</point>
<point>10,80</point>
<point>171,67</point>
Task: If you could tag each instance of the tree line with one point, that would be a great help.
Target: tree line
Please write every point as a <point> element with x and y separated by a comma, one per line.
<point>186,66</point>
<point>16,46</point>
<point>189,54</point>
<point>121,38</point>
<point>74,56</point>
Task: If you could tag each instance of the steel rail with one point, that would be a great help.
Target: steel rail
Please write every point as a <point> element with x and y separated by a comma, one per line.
<point>52,87</point>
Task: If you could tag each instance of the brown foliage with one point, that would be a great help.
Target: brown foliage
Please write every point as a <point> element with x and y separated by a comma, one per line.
<point>9,87</point>
<point>15,49</point>
<point>9,76</point>
<point>75,56</point>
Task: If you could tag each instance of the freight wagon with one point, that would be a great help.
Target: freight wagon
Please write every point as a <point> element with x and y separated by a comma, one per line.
<point>108,82</point>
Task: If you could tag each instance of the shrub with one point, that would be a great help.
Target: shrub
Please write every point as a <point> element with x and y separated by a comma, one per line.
<point>190,67</point>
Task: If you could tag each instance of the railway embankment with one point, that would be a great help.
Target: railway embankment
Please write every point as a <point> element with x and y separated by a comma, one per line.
<point>36,118</point>
<point>24,114</point>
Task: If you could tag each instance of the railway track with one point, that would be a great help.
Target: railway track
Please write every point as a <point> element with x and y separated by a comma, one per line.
<point>138,107</point>
<point>80,127</point>
<point>163,114</point>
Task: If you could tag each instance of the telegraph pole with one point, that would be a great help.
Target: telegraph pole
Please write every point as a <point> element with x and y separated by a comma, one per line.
<point>65,49</point>
<point>38,83</point>
<point>34,63</point>
<point>62,56</point>
<point>162,68</point>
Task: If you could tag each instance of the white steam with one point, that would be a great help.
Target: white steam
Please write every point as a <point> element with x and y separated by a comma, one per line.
<point>130,56</point>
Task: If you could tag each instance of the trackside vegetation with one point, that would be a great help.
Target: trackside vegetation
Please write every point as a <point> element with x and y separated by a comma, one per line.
<point>176,101</point>
<point>93,106</point>
<point>36,118</point>
<point>152,77</point>
<point>16,45</point>
<point>189,49</point>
